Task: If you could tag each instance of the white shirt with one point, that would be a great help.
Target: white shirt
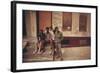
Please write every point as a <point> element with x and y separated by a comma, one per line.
<point>52,34</point>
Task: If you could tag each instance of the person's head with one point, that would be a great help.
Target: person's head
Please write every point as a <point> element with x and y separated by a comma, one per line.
<point>47,29</point>
<point>50,28</point>
<point>41,31</point>
<point>56,29</point>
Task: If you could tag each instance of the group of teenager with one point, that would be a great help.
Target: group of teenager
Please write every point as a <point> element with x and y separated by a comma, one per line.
<point>52,38</point>
<point>49,37</point>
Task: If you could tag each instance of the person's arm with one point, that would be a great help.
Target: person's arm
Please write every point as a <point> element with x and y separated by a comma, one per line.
<point>38,36</point>
<point>61,36</point>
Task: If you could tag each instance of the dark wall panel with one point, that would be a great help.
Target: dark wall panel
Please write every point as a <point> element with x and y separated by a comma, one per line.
<point>44,19</point>
<point>67,21</point>
<point>76,41</point>
<point>83,22</point>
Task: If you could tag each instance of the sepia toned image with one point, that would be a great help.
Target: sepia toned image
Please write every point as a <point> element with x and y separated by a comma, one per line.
<point>55,36</point>
<point>48,36</point>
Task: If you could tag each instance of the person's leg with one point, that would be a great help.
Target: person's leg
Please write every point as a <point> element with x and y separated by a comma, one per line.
<point>55,51</point>
<point>52,47</point>
<point>60,52</point>
<point>54,55</point>
<point>39,47</point>
<point>42,47</point>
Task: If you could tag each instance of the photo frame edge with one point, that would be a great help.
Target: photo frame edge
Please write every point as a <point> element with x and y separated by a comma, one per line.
<point>13,36</point>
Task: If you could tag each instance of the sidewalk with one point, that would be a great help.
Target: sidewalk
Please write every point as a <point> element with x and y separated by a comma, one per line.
<point>72,53</point>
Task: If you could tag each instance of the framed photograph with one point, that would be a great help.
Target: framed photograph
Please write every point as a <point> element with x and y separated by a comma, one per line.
<point>48,36</point>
